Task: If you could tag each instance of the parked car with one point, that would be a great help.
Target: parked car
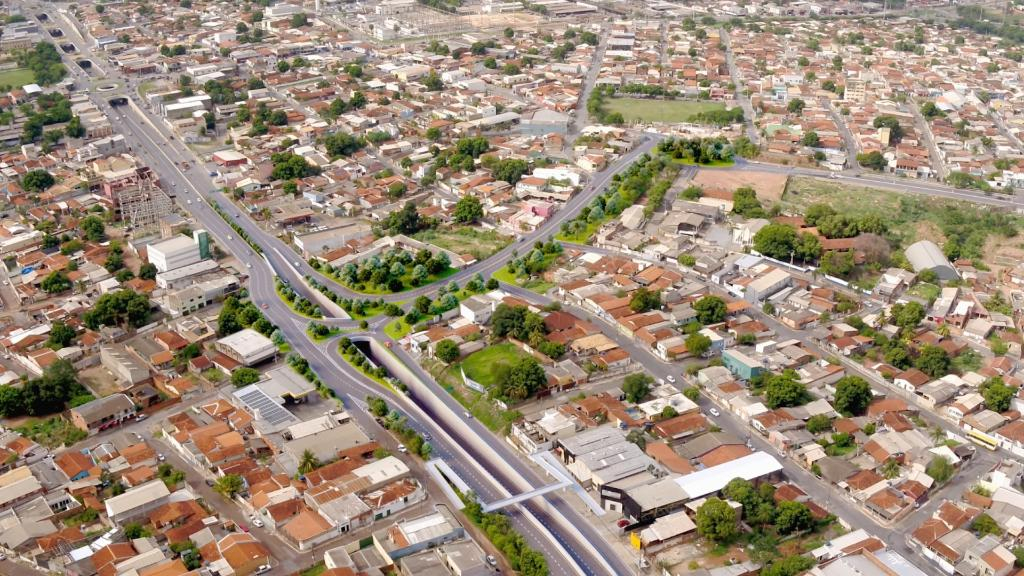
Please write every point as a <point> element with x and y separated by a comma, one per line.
<point>671,378</point>
<point>141,417</point>
<point>257,523</point>
<point>715,412</point>
<point>263,569</point>
<point>403,449</point>
<point>491,560</point>
<point>161,457</point>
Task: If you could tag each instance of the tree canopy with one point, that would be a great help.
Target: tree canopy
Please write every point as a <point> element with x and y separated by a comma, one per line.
<point>853,394</point>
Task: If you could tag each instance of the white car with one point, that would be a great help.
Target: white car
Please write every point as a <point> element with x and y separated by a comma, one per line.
<point>257,523</point>
<point>161,457</point>
<point>714,412</point>
<point>263,569</point>
<point>671,378</point>
<point>403,449</point>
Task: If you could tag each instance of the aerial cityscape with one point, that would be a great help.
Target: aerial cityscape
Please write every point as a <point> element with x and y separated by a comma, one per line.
<point>552,287</point>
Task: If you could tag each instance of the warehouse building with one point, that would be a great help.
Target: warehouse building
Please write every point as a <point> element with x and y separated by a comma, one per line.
<point>247,347</point>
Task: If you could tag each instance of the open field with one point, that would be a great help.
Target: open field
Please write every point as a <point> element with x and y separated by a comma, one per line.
<point>466,240</point>
<point>483,366</point>
<point>477,404</point>
<point>17,77</point>
<point>668,111</point>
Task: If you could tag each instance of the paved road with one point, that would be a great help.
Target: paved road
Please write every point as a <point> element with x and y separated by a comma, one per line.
<point>748,109</point>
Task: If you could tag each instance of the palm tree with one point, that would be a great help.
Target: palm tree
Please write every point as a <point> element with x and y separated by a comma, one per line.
<point>938,435</point>
<point>309,462</point>
<point>891,469</point>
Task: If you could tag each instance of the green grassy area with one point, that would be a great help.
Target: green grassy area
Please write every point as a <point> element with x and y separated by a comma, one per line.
<point>716,164</point>
<point>52,432</point>
<point>372,311</point>
<point>334,331</point>
<point>583,236</point>
<point>477,404</point>
<point>925,290</point>
<point>644,110</point>
<point>466,240</point>
<point>534,285</point>
<point>17,77</point>
<point>292,305</point>
<point>364,369</point>
<point>397,328</point>
<point>483,366</point>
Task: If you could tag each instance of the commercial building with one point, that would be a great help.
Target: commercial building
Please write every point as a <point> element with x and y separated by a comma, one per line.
<point>176,252</point>
<point>127,368</point>
<point>247,347</point>
<point>199,295</point>
<point>742,366</point>
<point>102,413</point>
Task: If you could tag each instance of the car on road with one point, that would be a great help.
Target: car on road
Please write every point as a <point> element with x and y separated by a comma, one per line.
<point>671,378</point>
<point>714,412</point>
<point>263,569</point>
<point>492,561</point>
<point>427,437</point>
<point>141,417</point>
<point>467,415</point>
<point>403,449</point>
<point>264,306</point>
<point>3,556</point>
<point>229,237</point>
<point>248,264</point>
<point>296,264</point>
<point>257,523</point>
<point>161,457</point>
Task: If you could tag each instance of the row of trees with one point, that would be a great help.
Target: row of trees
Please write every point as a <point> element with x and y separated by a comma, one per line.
<point>396,423</point>
<point>57,387</point>
<point>626,189</point>
<point>237,314</point>
<point>393,271</point>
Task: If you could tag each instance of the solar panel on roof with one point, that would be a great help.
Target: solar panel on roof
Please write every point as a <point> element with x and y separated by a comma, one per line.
<point>264,407</point>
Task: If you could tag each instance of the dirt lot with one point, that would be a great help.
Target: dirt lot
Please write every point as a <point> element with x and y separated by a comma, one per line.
<point>769,186</point>
<point>98,380</point>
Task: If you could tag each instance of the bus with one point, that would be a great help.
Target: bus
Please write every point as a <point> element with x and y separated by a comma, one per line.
<point>983,440</point>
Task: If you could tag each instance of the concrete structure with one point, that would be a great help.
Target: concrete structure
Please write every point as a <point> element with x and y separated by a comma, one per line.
<point>247,347</point>
<point>137,501</point>
<point>176,252</point>
<point>127,368</point>
<point>742,366</point>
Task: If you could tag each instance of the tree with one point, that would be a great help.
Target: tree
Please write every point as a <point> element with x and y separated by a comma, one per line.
<point>636,386</point>
<point>697,344</point>
<point>468,210</point>
<point>819,423</point>
<point>853,394</point>
<point>997,394</point>
<point>984,525</point>
<point>691,393</point>
<point>837,263</point>
<point>710,310</point>
<point>907,316</point>
<point>308,462</point>
<point>147,271</point>
<point>510,170</point>
<point>716,521</point>
<point>933,361</point>
<point>446,351</point>
<point>135,530</point>
<point>795,106</point>
<point>74,129</point>
<point>644,300</point>
<point>783,390</point>
<point>792,517</point>
<point>637,437</point>
<point>244,376</point>
<point>228,485</point>
<point>299,20</point>
<point>891,469</point>
<point>55,282</point>
<point>37,181</point>
<point>810,139</point>
<point>745,203</point>
<point>788,566</point>
<point>940,469</point>
<point>872,160</point>
<point>116,308</point>
<point>433,134</point>
<point>522,380</point>
<point>892,123</point>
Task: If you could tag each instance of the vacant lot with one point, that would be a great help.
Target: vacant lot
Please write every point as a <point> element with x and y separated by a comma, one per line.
<point>17,77</point>
<point>466,240</point>
<point>769,186</point>
<point>668,111</point>
<point>484,366</point>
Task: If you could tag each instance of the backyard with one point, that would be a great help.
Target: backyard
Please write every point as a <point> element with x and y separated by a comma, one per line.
<point>668,111</point>
<point>52,432</point>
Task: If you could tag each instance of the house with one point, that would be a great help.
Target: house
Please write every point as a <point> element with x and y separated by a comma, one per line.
<point>742,366</point>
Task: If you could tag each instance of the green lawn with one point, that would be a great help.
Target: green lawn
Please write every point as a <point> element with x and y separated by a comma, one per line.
<point>716,164</point>
<point>670,111</point>
<point>17,77</point>
<point>482,366</point>
<point>52,432</point>
<point>534,285</point>
<point>481,407</point>
<point>925,290</point>
<point>584,235</point>
<point>397,328</point>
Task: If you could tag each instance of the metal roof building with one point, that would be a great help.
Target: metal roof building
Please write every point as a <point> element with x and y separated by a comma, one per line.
<point>925,255</point>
